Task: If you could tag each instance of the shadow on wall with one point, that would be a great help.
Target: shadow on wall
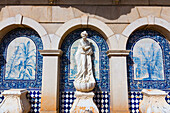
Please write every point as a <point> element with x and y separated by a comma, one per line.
<point>63,13</point>
<point>107,9</point>
<point>64,10</point>
<point>107,12</point>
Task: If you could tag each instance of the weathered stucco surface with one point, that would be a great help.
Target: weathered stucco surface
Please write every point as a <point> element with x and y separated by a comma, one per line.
<point>114,20</point>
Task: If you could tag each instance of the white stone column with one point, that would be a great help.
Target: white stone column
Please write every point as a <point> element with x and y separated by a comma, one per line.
<point>50,81</point>
<point>118,81</point>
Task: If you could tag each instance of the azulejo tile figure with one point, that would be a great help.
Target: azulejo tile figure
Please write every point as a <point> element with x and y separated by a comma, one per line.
<point>21,60</point>
<point>100,66</point>
<point>148,61</point>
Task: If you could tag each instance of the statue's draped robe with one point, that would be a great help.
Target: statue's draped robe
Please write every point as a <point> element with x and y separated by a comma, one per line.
<point>84,63</point>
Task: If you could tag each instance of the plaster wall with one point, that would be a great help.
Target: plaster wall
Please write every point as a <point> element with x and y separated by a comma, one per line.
<point>52,17</point>
<point>114,22</point>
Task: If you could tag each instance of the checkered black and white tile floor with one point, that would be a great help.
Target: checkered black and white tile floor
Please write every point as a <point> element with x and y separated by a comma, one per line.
<point>101,99</point>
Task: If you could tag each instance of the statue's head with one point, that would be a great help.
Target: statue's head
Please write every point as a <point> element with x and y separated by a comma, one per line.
<point>84,34</point>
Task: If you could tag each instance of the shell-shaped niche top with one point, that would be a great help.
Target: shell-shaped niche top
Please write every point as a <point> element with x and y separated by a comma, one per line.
<point>84,80</point>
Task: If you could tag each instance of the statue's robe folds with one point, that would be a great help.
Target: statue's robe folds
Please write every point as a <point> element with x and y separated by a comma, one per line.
<point>84,62</point>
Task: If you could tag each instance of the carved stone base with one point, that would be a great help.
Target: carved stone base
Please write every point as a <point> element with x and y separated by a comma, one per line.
<point>154,102</point>
<point>15,101</point>
<point>84,103</point>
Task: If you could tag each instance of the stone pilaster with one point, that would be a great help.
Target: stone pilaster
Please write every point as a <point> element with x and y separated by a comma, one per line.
<point>118,81</point>
<point>50,81</point>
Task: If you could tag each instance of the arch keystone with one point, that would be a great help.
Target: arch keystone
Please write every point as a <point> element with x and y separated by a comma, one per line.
<point>151,20</point>
<point>84,20</point>
<point>18,19</point>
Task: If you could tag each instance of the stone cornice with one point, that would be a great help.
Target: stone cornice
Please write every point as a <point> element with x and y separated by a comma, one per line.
<point>118,52</point>
<point>51,52</point>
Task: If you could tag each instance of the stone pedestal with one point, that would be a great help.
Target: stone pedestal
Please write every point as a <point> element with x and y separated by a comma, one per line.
<point>84,103</point>
<point>15,101</point>
<point>154,102</point>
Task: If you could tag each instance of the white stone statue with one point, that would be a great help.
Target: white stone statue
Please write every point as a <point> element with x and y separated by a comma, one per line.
<point>84,82</point>
<point>83,59</point>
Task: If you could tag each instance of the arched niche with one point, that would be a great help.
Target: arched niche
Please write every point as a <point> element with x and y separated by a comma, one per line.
<point>99,47</point>
<point>155,44</point>
<point>19,54</point>
<point>149,60</point>
<point>20,26</point>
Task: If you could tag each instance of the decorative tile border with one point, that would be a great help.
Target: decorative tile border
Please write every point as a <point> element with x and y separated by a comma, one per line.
<point>134,99</point>
<point>34,97</point>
